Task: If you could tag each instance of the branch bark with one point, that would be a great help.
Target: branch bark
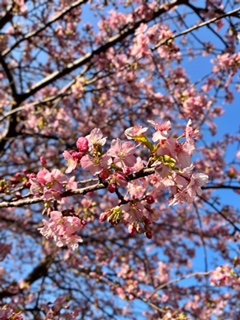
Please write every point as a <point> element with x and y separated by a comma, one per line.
<point>41,270</point>
<point>129,30</point>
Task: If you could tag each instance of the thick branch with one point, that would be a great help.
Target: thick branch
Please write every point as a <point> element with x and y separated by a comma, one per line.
<point>68,193</point>
<point>9,76</point>
<point>7,18</point>
<point>11,128</point>
<point>41,270</point>
<point>48,24</point>
<point>97,186</point>
<point>129,30</point>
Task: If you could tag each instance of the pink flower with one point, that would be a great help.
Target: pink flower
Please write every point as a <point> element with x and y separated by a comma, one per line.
<point>223,276</point>
<point>54,179</point>
<point>188,194</point>
<point>179,152</point>
<point>62,230</point>
<point>139,165</point>
<point>95,138</point>
<point>95,165</point>
<point>162,130</point>
<point>35,188</point>
<point>41,176</point>
<point>181,197</point>
<point>72,159</point>
<point>197,181</point>
<point>133,211</point>
<point>123,153</point>
<point>119,179</point>
<point>137,188</point>
<point>135,131</point>
<point>72,184</point>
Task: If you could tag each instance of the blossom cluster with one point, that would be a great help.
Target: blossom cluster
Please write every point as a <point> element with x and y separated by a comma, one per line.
<point>225,276</point>
<point>50,184</point>
<point>136,182</point>
<point>63,229</point>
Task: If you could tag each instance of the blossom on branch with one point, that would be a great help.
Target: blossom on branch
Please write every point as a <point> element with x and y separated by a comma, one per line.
<point>62,230</point>
<point>96,139</point>
<point>122,153</point>
<point>95,165</point>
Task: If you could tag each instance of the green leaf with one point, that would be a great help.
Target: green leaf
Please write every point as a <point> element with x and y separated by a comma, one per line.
<point>145,142</point>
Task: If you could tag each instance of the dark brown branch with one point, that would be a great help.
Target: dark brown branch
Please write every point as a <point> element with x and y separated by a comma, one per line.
<point>12,123</point>
<point>48,24</point>
<point>98,186</point>
<point>81,191</point>
<point>129,30</point>
<point>221,187</point>
<point>7,18</point>
<point>9,77</point>
<point>223,15</point>
<point>41,270</point>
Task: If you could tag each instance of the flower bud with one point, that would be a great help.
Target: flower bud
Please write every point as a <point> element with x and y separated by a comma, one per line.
<point>112,188</point>
<point>43,161</point>
<point>82,144</point>
<point>150,199</point>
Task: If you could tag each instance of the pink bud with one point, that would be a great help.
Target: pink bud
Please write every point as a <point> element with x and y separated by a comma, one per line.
<point>18,195</point>
<point>18,175</point>
<point>82,144</point>
<point>150,199</point>
<point>43,161</point>
<point>103,216</point>
<point>112,188</point>
<point>27,184</point>
<point>104,174</point>
<point>148,234</point>
<point>31,176</point>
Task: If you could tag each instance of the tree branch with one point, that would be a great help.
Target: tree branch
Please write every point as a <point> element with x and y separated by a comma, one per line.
<point>196,27</point>
<point>81,191</point>
<point>192,275</point>
<point>48,24</point>
<point>41,270</point>
<point>9,77</point>
<point>129,30</point>
<point>7,18</point>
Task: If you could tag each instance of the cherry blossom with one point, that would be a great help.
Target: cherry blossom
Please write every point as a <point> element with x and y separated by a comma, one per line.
<point>95,138</point>
<point>162,130</point>
<point>123,153</point>
<point>61,229</point>
<point>95,165</point>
